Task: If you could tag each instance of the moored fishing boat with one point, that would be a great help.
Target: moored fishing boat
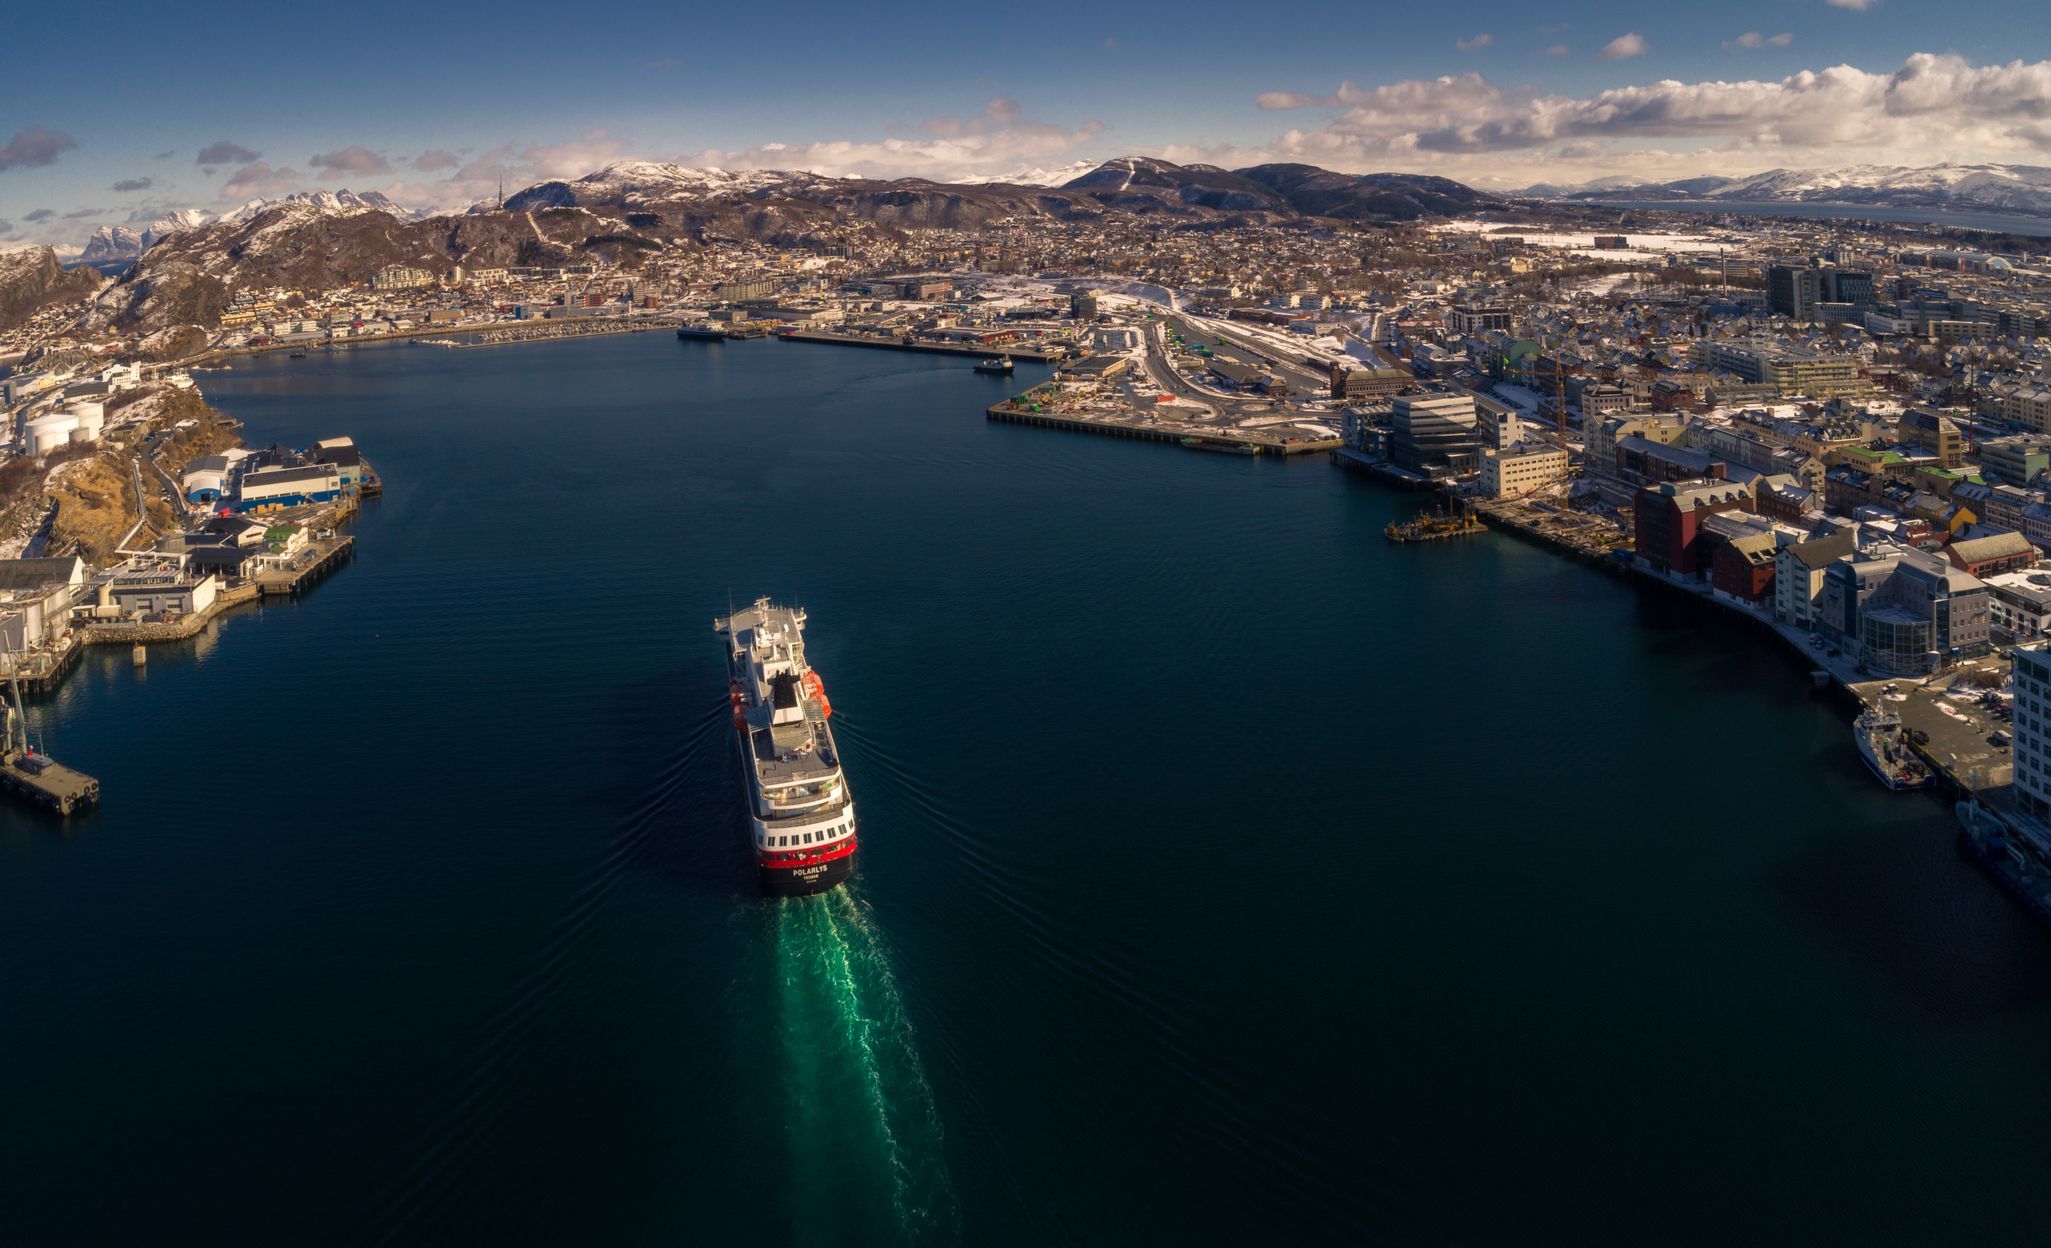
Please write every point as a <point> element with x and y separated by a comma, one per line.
<point>1879,736</point>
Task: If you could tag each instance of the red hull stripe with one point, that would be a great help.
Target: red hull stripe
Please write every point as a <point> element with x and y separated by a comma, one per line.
<point>785,859</point>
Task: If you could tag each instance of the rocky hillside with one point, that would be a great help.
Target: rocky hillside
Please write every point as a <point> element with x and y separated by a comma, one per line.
<point>188,277</point>
<point>628,210</point>
<point>1315,192</point>
<point>31,279</point>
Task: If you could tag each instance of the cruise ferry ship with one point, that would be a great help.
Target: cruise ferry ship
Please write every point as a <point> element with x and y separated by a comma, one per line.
<point>800,816</point>
<point>1880,744</point>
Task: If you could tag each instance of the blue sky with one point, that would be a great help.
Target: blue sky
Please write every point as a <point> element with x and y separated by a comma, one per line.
<point>435,104</point>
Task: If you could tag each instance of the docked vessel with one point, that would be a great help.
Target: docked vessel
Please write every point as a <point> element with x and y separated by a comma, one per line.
<point>801,818</point>
<point>1001,366</point>
<point>2013,853</point>
<point>1435,525</point>
<point>1223,448</point>
<point>1880,744</point>
<point>31,774</point>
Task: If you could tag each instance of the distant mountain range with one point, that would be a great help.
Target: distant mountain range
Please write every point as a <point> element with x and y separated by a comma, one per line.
<point>112,243</point>
<point>2020,189</point>
<point>1130,184</point>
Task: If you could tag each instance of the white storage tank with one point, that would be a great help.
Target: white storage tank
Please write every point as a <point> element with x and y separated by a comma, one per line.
<point>92,418</point>
<point>47,433</point>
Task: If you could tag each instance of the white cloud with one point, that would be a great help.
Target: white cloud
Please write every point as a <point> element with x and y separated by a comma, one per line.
<point>1622,47</point>
<point>998,139</point>
<point>1558,49</point>
<point>356,160</point>
<point>1475,44</point>
<point>1857,6</point>
<point>1930,109</point>
<point>259,179</point>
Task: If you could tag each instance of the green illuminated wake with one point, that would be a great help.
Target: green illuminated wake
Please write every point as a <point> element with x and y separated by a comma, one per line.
<point>864,1130</point>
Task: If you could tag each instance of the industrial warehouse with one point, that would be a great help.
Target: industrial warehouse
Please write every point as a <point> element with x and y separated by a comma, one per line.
<point>277,478</point>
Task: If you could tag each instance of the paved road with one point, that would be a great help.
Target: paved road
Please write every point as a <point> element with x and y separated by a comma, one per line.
<point>172,493</point>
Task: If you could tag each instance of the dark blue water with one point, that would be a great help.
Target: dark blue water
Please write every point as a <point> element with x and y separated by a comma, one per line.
<point>1229,875</point>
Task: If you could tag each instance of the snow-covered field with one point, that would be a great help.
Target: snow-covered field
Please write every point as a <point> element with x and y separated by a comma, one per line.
<point>1643,246</point>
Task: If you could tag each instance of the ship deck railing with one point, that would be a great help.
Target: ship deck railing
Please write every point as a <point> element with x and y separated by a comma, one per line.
<point>827,811</point>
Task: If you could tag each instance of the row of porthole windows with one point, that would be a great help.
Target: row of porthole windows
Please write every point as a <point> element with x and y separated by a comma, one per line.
<point>804,838</point>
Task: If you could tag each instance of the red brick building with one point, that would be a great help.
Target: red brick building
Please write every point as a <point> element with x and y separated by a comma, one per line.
<point>1992,555</point>
<point>1669,517</point>
<point>1744,568</point>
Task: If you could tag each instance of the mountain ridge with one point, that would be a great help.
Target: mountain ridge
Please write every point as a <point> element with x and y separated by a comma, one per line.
<point>2020,189</point>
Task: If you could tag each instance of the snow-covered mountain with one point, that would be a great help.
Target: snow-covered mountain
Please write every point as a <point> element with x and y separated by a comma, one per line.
<point>1060,175</point>
<point>342,201</point>
<point>631,184</point>
<point>112,243</point>
<point>2023,189</point>
<point>171,223</point>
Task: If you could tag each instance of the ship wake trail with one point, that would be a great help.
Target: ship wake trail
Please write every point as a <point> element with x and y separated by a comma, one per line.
<point>864,1112</point>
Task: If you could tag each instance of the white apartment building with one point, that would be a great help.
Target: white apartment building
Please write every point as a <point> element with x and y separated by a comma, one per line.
<point>2032,730</point>
<point>1521,470</point>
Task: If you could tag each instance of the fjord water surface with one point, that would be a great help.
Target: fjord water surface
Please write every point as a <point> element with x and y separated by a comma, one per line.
<point>1228,874</point>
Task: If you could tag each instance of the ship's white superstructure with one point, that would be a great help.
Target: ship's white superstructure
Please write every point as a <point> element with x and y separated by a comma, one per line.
<point>801,817</point>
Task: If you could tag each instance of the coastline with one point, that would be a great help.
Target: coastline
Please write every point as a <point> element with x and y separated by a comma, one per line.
<point>615,325</point>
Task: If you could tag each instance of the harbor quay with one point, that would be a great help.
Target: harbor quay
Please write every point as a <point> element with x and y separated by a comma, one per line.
<point>1051,405</point>
<point>1025,350</point>
<point>164,523</point>
<point>1954,719</point>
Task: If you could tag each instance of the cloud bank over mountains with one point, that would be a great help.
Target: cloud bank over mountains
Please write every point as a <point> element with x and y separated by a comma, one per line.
<point>1471,126</point>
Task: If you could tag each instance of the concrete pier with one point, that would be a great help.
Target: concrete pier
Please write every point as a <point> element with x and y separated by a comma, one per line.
<point>1016,350</point>
<point>1137,427</point>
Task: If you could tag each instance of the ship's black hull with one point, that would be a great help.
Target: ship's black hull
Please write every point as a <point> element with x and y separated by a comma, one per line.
<point>805,879</point>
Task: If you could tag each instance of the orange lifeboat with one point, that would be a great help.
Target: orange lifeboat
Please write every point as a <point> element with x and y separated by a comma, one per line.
<point>817,688</point>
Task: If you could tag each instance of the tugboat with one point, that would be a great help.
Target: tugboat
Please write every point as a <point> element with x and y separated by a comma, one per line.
<point>801,818</point>
<point>1879,736</point>
<point>999,367</point>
